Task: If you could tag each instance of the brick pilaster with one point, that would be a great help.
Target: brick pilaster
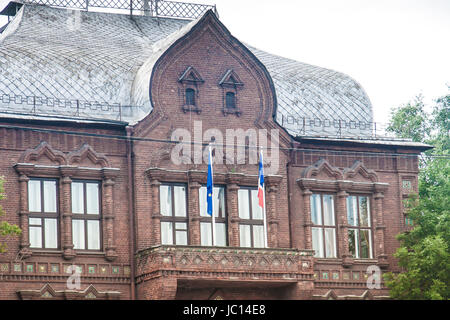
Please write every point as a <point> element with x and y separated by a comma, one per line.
<point>65,195</point>
<point>194,213</point>
<point>307,211</point>
<point>155,215</point>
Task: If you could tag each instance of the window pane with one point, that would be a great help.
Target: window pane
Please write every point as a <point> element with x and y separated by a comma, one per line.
<point>352,212</point>
<point>165,200</point>
<point>35,221</point>
<point>166,233</point>
<point>230,100</point>
<point>219,201</point>
<point>244,234</point>
<point>93,229</point>
<point>330,243</point>
<point>328,210</point>
<point>180,201</point>
<point>244,205</point>
<point>365,244</point>
<point>258,236</point>
<point>181,237</point>
<point>206,234</point>
<point>77,197</point>
<point>364,215</point>
<point>34,195</point>
<point>256,209</point>
<point>316,214</point>
<point>51,233</point>
<point>202,201</point>
<point>190,97</point>
<point>49,196</point>
<point>317,241</point>
<point>181,226</point>
<point>92,201</point>
<point>221,235</point>
<point>35,235</point>
<point>78,234</point>
<point>352,242</point>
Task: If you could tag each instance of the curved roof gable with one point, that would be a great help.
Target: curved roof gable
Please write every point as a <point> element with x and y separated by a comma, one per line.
<point>80,64</point>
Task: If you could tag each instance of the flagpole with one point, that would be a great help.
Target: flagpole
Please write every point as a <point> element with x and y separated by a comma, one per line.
<point>264,207</point>
<point>213,218</point>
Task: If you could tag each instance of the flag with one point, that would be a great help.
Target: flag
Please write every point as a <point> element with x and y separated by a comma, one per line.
<point>209,186</point>
<point>261,182</point>
<point>209,197</point>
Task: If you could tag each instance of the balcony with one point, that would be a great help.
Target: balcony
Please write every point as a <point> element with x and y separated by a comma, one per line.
<point>227,265</point>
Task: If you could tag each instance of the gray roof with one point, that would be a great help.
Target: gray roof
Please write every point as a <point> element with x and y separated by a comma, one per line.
<point>76,63</point>
<point>313,93</point>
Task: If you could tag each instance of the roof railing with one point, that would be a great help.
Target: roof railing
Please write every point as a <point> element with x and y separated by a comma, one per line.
<point>155,8</point>
<point>301,126</point>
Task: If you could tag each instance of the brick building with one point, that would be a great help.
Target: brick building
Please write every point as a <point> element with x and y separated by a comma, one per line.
<point>89,106</point>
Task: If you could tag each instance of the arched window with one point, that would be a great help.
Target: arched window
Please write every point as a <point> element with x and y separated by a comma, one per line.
<point>190,97</point>
<point>230,100</point>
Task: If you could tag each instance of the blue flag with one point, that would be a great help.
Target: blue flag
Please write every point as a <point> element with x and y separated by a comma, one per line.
<point>209,187</point>
<point>261,182</point>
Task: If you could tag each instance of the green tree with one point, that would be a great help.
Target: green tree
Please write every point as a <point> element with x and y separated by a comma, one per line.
<point>410,121</point>
<point>5,228</point>
<point>424,254</point>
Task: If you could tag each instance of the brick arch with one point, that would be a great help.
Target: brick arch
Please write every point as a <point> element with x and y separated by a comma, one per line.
<point>359,168</point>
<point>87,152</point>
<point>44,149</point>
<point>320,168</point>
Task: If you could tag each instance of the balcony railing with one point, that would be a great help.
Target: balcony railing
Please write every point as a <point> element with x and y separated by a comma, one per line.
<point>225,263</point>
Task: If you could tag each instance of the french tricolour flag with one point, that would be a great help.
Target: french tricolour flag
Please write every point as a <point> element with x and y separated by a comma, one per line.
<point>261,195</point>
<point>261,182</point>
<point>210,186</point>
<point>209,196</point>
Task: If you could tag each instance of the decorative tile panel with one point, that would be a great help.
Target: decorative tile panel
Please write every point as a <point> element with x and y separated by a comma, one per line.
<point>30,268</point>
<point>4,267</point>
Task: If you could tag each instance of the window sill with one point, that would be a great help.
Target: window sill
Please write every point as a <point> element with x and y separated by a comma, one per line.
<point>365,261</point>
<point>235,111</point>
<point>191,108</point>
<point>40,252</point>
<point>341,261</point>
<point>329,260</point>
<point>88,253</point>
<point>43,252</point>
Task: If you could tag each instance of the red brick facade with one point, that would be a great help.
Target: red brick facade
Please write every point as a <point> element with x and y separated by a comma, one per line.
<point>132,263</point>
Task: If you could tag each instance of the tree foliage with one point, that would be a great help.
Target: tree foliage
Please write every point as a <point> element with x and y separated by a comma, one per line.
<point>424,254</point>
<point>6,229</point>
<point>410,121</point>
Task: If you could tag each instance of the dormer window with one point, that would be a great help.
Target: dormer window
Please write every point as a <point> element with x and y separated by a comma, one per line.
<point>189,96</point>
<point>189,86</point>
<point>230,100</point>
<point>230,84</point>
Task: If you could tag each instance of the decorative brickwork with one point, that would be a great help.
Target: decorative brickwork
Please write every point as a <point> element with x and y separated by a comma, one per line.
<point>132,261</point>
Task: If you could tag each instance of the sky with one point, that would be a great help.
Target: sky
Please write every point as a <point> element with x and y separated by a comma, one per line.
<point>396,49</point>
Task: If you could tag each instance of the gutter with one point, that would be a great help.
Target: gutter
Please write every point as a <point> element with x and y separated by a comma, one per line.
<point>131,218</point>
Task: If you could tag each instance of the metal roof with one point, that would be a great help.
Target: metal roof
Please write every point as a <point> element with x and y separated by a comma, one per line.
<point>90,64</point>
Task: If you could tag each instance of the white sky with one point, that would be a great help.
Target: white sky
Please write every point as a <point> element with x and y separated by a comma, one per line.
<point>395,49</point>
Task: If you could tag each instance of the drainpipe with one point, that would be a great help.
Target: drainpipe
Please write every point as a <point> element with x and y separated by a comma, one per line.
<point>131,222</point>
<point>289,197</point>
